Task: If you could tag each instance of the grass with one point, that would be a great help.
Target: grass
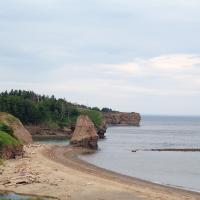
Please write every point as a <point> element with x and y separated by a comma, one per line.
<point>95,116</point>
<point>7,122</point>
<point>4,127</point>
<point>7,118</point>
<point>6,139</point>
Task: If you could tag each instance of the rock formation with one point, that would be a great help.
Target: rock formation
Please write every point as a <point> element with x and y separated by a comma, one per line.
<point>122,118</point>
<point>11,151</point>
<point>12,136</point>
<point>17,127</point>
<point>85,134</point>
<point>102,129</point>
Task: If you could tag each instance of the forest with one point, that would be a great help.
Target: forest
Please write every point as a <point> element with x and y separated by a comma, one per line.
<point>32,108</point>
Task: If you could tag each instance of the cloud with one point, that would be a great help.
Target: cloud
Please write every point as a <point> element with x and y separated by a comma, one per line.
<point>177,74</point>
<point>111,52</point>
<point>175,63</point>
<point>120,86</point>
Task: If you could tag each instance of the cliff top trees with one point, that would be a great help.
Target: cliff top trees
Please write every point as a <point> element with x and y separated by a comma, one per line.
<point>32,108</point>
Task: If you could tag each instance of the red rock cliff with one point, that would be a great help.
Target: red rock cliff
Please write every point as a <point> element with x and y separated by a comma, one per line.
<point>122,118</point>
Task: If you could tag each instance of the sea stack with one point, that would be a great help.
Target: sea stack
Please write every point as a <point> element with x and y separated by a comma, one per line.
<point>85,134</point>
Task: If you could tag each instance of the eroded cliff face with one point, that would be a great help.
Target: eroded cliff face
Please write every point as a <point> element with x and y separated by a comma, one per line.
<point>85,134</point>
<point>122,118</point>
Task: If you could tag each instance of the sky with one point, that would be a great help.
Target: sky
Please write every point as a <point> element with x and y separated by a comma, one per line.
<point>129,55</point>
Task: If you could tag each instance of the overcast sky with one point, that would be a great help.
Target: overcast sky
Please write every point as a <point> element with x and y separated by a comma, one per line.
<point>130,55</point>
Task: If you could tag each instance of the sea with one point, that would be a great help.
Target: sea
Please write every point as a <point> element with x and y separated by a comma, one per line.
<point>176,169</point>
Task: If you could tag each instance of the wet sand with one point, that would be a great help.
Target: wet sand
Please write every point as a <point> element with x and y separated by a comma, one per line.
<point>60,173</point>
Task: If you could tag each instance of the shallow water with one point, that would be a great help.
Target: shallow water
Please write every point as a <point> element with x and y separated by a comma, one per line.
<point>181,169</point>
<point>14,196</point>
<point>53,141</point>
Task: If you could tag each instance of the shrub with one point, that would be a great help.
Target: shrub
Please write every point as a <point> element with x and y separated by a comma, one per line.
<point>95,116</point>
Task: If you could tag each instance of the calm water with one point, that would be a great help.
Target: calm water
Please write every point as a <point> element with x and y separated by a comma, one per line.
<point>181,169</point>
<point>14,196</point>
<point>56,141</point>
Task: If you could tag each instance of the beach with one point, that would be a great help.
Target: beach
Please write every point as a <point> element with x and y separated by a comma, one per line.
<point>57,172</point>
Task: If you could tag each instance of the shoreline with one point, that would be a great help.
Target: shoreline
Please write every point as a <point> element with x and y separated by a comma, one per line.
<point>37,138</point>
<point>80,164</point>
<point>140,179</point>
<point>60,173</point>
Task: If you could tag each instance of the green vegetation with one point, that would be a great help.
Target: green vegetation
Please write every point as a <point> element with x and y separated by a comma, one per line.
<point>6,139</point>
<point>7,123</point>
<point>95,116</point>
<point>36,109</point>
<point>106,110</point>
<point>4,127</point>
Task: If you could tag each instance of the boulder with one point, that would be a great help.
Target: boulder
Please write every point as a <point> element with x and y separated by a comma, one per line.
<point>85,134</point>
<point>18,130</point>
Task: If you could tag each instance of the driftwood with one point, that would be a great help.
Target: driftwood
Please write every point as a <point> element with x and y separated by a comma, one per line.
<point>171,149</point>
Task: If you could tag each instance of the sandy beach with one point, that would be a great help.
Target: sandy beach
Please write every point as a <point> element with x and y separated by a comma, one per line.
<point>57,172</point>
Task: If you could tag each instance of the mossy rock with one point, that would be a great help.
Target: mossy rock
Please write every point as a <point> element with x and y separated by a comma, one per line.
<point>10,147</point>
<point>9,120</point>
<point>13,126</point>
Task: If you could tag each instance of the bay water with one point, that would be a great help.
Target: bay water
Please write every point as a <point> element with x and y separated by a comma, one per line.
<point>179,169</point>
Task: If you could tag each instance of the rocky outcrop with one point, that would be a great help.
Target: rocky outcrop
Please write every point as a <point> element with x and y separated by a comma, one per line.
<point>85,134</point>
<point>18,130</point>
<point>11,151</point>
<point>102,129</point>
<point>122,118</point>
